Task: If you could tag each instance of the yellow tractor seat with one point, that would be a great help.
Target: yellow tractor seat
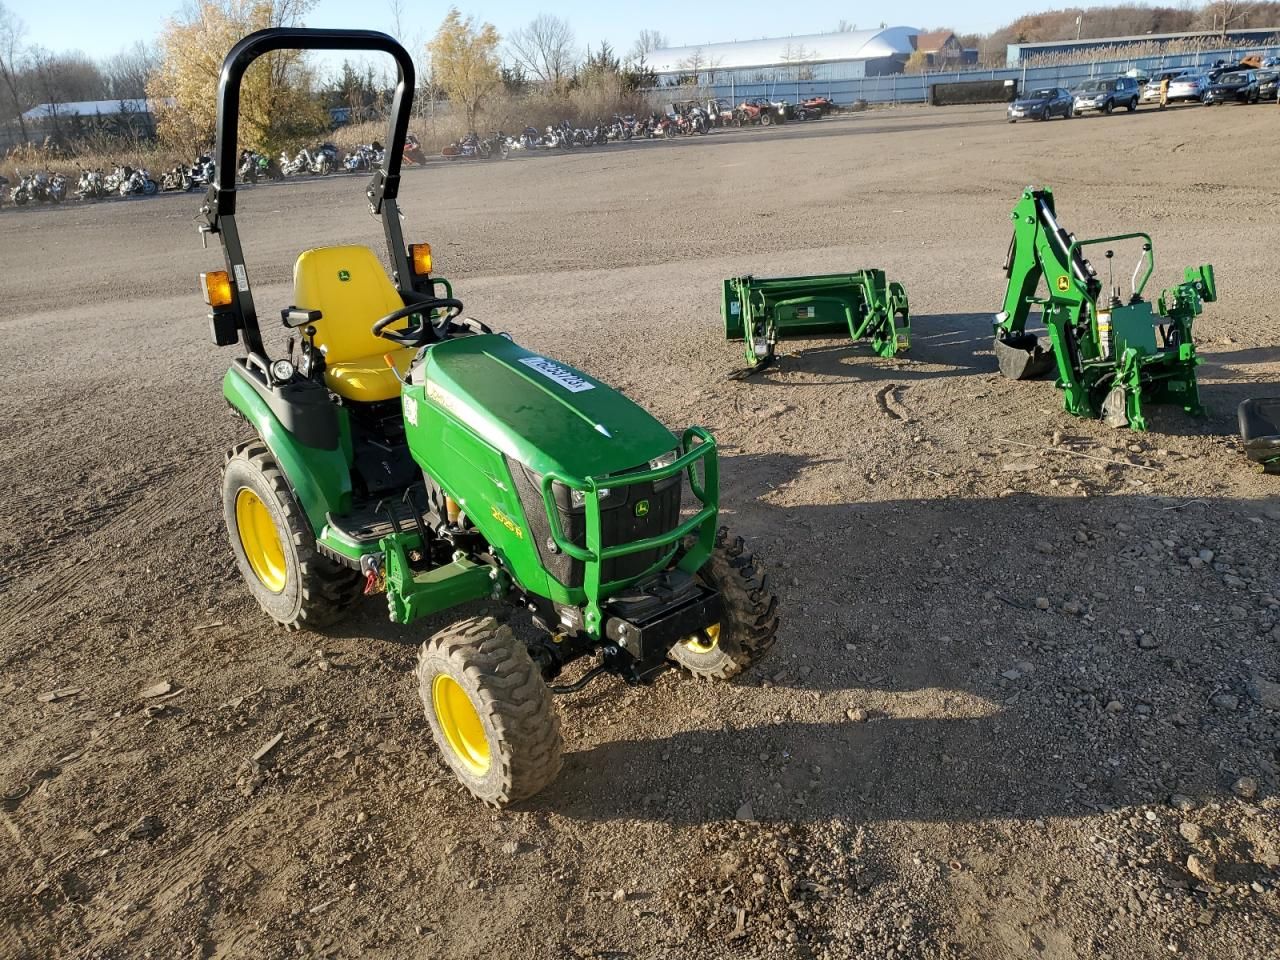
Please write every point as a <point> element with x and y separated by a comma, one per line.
<point>352,292</point>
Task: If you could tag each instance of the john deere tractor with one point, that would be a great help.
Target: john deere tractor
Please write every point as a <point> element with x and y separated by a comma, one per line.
<point>407,451</point>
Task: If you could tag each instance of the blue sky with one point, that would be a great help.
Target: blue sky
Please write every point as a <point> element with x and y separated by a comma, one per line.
<point>102,30</point>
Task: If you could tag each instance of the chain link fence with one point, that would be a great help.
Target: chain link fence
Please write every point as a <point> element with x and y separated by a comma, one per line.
<point>914,88</point>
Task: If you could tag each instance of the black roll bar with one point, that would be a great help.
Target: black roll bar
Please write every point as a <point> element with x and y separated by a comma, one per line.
<point>219,207</point>
<point>299,38</point>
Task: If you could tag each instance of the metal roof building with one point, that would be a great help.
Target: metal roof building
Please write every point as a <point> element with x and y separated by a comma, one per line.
<point>818,56</point>
<point>92,108</point>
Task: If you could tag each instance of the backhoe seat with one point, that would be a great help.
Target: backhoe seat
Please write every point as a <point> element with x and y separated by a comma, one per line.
<point>349,287</point>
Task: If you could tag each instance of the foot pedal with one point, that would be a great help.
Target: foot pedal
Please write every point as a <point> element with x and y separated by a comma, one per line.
<point>1023,357</point>
<point>1260,430</point>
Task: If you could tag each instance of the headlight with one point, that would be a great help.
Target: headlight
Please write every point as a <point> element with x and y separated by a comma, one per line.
<point>282,371</point>
<point>579,498</point>
<point>666,460</point>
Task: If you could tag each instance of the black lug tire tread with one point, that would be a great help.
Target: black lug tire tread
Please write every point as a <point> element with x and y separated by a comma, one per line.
<point>749,626</point>
<point>517,709</point>
<point>328,589</point>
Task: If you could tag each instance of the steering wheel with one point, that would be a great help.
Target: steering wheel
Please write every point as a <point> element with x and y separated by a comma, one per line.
<point>425,331</point>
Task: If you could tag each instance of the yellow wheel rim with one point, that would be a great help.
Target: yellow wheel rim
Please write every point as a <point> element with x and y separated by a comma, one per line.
<point>461,724</point>
<point>259,540</point>
<point>706,643</point>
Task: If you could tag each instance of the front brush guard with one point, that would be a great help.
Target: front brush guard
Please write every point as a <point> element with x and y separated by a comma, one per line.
<point>696,445</point>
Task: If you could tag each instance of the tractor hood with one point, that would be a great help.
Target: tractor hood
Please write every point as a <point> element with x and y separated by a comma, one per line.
<point>537,411</point>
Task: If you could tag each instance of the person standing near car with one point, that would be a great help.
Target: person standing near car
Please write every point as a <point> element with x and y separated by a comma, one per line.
<point>1164,92</point>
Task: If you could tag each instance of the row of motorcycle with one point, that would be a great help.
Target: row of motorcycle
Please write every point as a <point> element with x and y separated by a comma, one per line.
<point>566,136</point>
<point>679,120</point>
<point>43,186</point>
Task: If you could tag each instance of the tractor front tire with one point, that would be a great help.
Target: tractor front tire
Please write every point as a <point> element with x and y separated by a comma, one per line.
<point>490,712</point>
<point>275,548</point>
<point>749,624</point>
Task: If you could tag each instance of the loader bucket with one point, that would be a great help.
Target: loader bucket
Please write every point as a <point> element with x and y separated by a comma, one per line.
<point>1023,357</point>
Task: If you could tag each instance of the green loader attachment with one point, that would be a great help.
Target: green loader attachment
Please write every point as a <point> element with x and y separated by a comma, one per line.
<point>1114,355</point>
<point>761,311</point>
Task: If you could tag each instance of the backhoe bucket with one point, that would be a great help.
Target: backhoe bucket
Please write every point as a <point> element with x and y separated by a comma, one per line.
<point>1023,357</point>
<point>1260,431</point>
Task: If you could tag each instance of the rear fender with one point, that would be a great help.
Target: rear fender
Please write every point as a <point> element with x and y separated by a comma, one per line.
<point>320,479</point>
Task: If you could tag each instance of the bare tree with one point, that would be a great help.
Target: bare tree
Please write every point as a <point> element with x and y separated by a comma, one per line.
<point>12,31</point>
<point>798,55</point>
<point>129,70</point>
<point>694,64</point>
<point>1224,14</point>
<point>844,26</point>
<point>544,48</point>
<point>647,42</point>
<point>396,9</point>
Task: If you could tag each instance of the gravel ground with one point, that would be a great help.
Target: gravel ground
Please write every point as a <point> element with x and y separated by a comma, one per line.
<point>1023,703</point>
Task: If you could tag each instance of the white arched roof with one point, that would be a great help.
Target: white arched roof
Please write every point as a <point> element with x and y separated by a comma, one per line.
<point>812,48</point>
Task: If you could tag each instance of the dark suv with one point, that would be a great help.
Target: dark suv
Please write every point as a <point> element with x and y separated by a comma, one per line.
<point>1106,95</point>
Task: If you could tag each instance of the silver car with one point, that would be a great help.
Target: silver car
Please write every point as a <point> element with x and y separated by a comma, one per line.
<point>1188,86</point>
<point>1151,90</point>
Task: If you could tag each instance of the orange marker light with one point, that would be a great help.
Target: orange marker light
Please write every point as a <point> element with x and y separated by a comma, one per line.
<point>420,254</point>
<point>217,288</point>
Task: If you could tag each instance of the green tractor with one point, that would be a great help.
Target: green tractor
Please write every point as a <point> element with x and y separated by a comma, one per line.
<point>408,451</point>
<point>1114,355</point>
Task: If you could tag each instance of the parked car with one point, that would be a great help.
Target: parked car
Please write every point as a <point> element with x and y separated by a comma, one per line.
<point>1239,86</point>
<point>1151,90</point>
<point>1267,84</point>
<point>1188,86</point>
<point>1042,104</point>
<point>1106,95</point>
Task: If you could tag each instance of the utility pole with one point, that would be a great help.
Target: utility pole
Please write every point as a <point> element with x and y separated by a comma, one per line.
<point>1079,24</point>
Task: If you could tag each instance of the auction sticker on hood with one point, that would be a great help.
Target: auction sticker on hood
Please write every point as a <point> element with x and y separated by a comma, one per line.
<point>571,381</point>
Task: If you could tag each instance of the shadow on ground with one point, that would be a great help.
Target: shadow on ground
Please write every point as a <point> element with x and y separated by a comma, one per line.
<point>958,341</point>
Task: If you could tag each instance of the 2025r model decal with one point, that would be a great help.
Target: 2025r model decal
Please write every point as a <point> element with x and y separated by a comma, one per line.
<point>561,375</point>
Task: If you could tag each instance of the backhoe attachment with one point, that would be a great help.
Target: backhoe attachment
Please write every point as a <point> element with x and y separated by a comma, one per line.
<point>1113,355</point>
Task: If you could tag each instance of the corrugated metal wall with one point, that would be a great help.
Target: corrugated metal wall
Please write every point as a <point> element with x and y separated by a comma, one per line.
<point>914,88</point>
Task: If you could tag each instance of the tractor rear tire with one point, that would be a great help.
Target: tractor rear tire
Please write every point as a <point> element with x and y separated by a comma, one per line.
<point>275,548</point>
<point>490,712</point>
<point>749,625</point>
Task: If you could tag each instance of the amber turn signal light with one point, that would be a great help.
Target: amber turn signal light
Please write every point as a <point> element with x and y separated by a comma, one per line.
<point>217,288</point>
<point>420,254</point>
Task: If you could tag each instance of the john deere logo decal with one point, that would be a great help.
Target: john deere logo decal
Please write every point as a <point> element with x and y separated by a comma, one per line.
<point>344,275</point>
<point>642,508</point>
<point>1064,284</point>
